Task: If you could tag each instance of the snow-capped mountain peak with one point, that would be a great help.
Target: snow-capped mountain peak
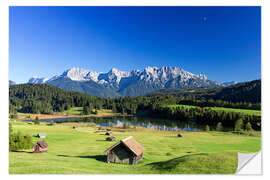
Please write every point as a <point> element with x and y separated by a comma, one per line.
<point>202,76</point>
<point>124,83</point>
<point>79,74</point>
<point>92,75</point>
<point>38,80</point>
<point>114,76</point>
<point>166,73</point>
<point>119,73</point>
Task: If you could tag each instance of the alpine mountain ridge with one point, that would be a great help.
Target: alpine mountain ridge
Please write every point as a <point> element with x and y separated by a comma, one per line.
<point>122,83</point>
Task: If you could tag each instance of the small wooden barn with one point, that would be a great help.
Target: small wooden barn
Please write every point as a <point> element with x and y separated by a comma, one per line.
<point>40,147</point>
<point>75,127</point>
<point>179,135</point>
<point>111,138</point>
<point>41,135</point>
<point>108,133</point>
<point>126,151</point>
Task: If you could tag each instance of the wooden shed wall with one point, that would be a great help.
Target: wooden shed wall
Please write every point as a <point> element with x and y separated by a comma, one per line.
<point>121,154</point>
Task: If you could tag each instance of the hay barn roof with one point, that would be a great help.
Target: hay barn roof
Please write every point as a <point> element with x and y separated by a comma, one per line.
<point>131,143</point>
<point>42,144</point>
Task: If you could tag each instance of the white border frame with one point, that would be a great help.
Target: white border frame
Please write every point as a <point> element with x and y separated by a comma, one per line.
<point>4,6</point>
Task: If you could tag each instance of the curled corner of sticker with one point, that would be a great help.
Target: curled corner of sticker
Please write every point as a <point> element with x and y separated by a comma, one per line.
<point>249,163</point>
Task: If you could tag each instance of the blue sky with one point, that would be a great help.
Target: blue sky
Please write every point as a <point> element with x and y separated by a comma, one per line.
<point>224,43</point>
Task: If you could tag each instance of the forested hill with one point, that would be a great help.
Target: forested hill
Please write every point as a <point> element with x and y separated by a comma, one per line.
<point>42,98</point>
<point>241,92</point>
<point>46,99</point>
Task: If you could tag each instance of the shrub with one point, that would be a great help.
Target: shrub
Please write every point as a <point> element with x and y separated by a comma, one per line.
<point>50,123</point>
<point>37,120</point>
<point>207,128</point>
<point>86,110</point>
<point>126,125</point>
<point>94,112</point>
<point>18,141</point>
<point>13,116</point>
<point>248,127</point>
<point>219,127</point>
<point>239,125</point>
<point>10,128</point>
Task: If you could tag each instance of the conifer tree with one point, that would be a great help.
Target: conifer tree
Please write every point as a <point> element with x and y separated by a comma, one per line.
<point>219,127</point>
<point>248,127</point>
<point>207,128</point>
<point>239,125</point>
<point>37,120</point>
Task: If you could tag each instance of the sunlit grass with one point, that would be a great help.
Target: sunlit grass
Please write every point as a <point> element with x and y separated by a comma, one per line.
<point>244,111</point>
<point>81,151</point>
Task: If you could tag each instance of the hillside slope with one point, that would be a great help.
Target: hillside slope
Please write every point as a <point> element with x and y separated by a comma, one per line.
<point>241,92</point>
<point>89,87</point>
<point>43,98</point>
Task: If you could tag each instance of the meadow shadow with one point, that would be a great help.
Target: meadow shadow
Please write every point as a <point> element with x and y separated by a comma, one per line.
<point>101,158</point>
<point>172,163</point>
<point>22,151</point>
<point>176,137</point>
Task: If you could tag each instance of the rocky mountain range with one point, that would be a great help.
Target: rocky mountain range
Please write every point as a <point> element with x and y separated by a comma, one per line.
<point>121,83</point>
<point>11,83</point>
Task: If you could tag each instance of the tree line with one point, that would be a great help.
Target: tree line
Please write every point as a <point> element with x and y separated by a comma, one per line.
<point>249,92</point>
<point>206,116</point>
<point>46,99</point>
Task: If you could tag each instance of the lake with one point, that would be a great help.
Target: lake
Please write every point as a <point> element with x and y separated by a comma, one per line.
<point>154,123</point>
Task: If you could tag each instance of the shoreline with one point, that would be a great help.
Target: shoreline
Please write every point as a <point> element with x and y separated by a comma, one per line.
<point>56,116</point>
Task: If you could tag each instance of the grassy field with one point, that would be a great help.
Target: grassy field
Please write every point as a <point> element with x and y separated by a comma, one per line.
<point>81,151</point>
<point>72,112</point>
<point>244,111</point>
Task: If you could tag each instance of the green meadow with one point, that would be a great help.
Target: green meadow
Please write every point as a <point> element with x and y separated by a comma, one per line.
<point>81,151</point>
<point>243,111</point>
<point>74,110</point>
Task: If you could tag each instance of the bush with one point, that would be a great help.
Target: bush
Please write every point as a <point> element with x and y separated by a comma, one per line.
<point>18,141</point>
<point>126,125</point>
<point>239,125</point>
<point>111,124</point>
<point>94,112</point>
<point>207,128</point>
<point>37,120</point>
<point>219,127</point>
<point>87,110</point>
<point>248,127</point>
<point>13,116</point>
<point>10,128</point>
<point>50,123</point>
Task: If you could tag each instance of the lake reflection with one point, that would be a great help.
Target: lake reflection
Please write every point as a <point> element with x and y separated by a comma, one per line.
<point>154,123</point>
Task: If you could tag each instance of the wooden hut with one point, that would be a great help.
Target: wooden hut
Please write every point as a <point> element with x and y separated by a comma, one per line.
<point>40,147</point>
<point>108,133</point>
<point>41,135</point>
<point>111,138</point>
<point>126,151</point>
<point>179,135</point>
